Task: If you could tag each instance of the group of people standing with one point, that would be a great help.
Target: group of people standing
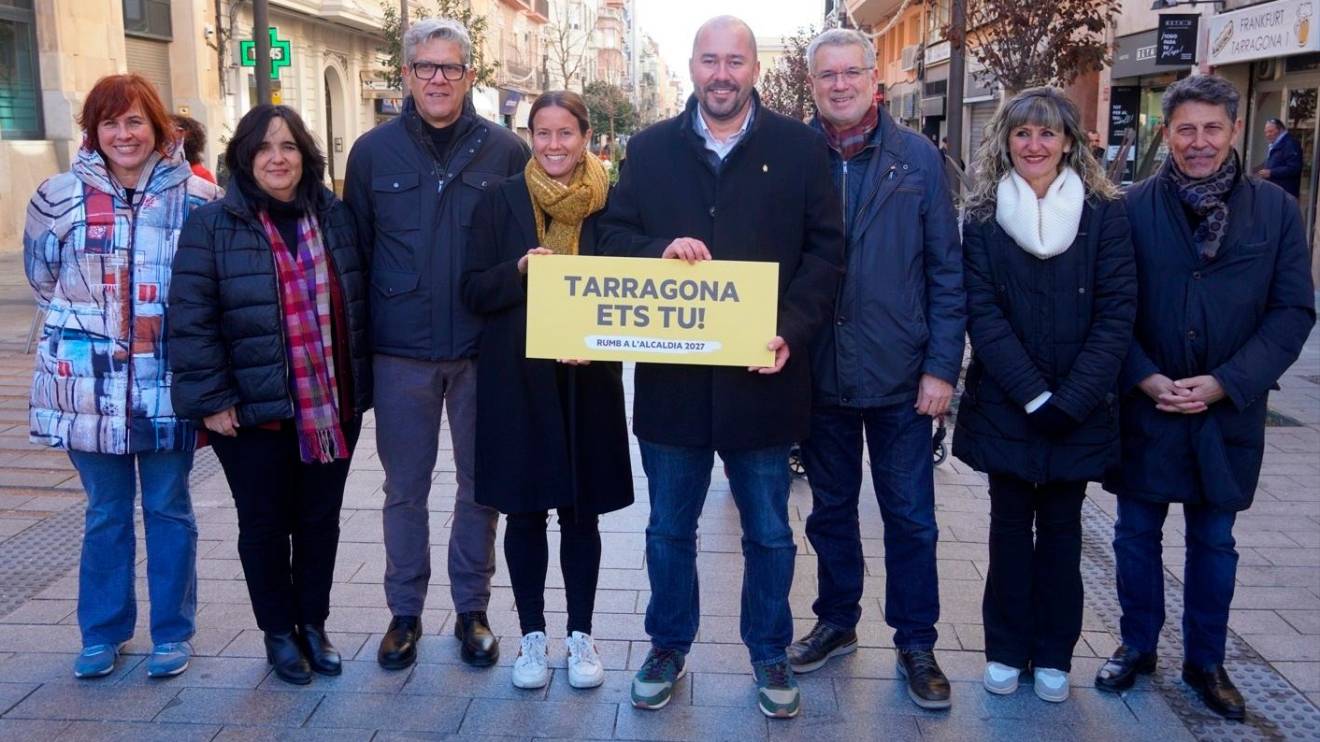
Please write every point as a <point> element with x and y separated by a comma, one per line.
<point>1125,338</point>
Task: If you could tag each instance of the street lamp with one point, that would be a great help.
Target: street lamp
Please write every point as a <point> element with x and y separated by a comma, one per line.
<point>1166,4</point>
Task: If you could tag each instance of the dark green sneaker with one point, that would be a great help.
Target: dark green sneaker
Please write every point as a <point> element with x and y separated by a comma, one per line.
<point>653,685</point>
<point>776,691</point>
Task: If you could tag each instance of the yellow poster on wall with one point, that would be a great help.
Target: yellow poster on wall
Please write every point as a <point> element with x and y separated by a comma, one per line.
<point>712,313</point>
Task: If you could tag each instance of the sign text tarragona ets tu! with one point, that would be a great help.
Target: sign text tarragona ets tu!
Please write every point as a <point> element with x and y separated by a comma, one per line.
<point>634,289</point>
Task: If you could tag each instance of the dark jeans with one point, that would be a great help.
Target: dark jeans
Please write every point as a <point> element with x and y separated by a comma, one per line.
<point>678,478</point>
<point>1208,577</point>
<point>528,556</point>
<point>1033,593</point>
<point>288,522</point>
<point>902,468</point>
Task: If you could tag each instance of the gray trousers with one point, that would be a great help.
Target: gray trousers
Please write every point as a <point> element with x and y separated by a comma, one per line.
<point>410,396</point>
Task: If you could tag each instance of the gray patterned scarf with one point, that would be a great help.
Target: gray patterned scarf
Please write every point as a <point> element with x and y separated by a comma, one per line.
<point>1207,197</point>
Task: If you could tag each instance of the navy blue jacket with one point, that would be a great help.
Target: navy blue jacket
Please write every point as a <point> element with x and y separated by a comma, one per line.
<point>414,213</point>
<point>1284,161</point>
<point>771,200</point>
<point>1242,317</point>
<point>1061,325</point>
<point>899,312</point>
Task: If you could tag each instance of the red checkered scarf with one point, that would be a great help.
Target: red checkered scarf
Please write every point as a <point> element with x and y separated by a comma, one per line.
<point>304,283</point>
<point>848,142</point>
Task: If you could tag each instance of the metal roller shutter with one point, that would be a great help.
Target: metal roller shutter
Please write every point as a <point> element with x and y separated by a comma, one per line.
<point>151,59</point>
<point>981,113</point>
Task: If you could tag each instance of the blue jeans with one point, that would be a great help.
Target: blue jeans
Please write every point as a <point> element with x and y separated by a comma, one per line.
<point>902,469</point>
<point>107,606</point>
<point>678,478</point>
<point>1208,577</point>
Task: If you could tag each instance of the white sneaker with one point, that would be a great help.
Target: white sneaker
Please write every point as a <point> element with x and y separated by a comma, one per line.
<point>584,668</point>
<point>1051,684</point>
<point>1000,679</point>
<point>531,669</point>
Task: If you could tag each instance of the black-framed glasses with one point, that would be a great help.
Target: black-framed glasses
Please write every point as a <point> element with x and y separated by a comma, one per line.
<point>852,74</point>
<point>427,70</point>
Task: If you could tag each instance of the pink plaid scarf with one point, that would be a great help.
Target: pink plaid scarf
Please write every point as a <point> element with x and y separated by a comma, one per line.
<point>305,294</point>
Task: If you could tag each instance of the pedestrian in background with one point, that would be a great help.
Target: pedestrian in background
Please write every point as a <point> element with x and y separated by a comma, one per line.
<point>194,144</point>
<point>1283,159</point>
<point>1051,297</point>
<point>551,435</point>
<point>412,184</point>
<point>268,312</point>
<point>1225,305</point>
<point>97,247</point>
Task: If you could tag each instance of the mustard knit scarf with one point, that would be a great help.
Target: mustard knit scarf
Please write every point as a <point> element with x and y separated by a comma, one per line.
<point>566,206</point>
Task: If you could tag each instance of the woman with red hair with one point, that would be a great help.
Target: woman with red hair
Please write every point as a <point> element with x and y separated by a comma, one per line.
<point>98,246</point>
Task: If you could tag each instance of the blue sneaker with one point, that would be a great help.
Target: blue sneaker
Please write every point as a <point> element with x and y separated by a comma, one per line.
<point>169,659</point>
<point>777,692</point>
<point>96,661</point>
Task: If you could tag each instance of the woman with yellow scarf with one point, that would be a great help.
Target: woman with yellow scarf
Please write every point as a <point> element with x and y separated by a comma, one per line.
<point>551,435</point>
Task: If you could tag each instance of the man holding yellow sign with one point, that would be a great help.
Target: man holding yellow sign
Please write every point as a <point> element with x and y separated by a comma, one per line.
<point>727,180</point>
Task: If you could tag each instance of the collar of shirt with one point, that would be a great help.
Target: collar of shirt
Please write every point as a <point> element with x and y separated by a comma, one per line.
<point>722,149</point>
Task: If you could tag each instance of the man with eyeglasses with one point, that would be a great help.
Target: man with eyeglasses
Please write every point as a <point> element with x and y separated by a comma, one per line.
<point>412,184</point>
<point>885,365</point>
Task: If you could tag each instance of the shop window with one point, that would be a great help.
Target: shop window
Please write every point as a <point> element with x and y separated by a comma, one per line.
<point>20,85</point>
<point>147,18</point>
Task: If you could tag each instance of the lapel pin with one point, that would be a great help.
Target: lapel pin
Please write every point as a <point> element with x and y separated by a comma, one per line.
<point>765,168</point>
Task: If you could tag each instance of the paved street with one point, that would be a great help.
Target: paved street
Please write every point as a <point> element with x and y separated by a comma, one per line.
<point>229,692</point>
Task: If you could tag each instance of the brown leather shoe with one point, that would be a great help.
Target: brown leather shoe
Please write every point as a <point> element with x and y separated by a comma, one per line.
<point>926,683</point>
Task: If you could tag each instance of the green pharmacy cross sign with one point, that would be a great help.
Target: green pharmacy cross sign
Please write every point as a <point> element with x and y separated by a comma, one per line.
<point>281,54</point>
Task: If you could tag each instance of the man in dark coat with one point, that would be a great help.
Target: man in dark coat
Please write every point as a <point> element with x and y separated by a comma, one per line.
<point>887,364</point>
<point>1283,160</point>
<point>412,185</point>
<point>1225,304</point>
<point>732,180</point>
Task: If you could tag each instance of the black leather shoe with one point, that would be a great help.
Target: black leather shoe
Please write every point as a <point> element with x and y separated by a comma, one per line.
<point>398,648</point>
<point>283,653</point>
<point>1120,672</point>
<point>927,686</point>
<point>480,647</point>
<point>812,651</point>
<point>321,655</point>
<point>1217,690</point>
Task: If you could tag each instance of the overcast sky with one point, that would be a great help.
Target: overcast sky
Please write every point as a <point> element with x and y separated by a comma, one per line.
<point>672,23</point>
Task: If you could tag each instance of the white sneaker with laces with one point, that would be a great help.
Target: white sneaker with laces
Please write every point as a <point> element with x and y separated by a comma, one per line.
<point>1000,679</point>
<point>584,667</point>
<point>532,668</point>
<point>1051,684</point>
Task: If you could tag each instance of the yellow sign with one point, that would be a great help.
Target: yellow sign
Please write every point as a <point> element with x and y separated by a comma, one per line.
<point>713,313</point>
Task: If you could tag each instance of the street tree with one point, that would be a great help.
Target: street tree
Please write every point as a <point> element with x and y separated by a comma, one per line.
<point>391,54</point>
<point>612,113</point>
<point>568,41</point>
<point>786,86</point>
<point>1024,43</point>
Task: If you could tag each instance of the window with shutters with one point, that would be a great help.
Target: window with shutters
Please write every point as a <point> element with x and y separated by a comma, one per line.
<point>147,18</point>
<point>20,85</point>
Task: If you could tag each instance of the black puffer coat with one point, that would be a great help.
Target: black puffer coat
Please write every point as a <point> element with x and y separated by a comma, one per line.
<point>1062,325</point>
<point>226,325</point>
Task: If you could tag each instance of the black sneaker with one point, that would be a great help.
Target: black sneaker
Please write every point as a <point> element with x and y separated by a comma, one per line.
<point>927,686</point>
<point>812,651</point>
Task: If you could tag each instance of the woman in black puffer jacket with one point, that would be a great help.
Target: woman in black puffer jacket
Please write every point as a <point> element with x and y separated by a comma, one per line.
<point>1051,298</point>
<point>268,320</point>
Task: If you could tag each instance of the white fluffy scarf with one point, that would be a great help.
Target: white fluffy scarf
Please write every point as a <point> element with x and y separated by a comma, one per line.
<point>1043,227</point>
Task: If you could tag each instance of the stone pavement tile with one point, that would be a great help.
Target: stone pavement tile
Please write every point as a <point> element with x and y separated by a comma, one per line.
<point>1305,622</point>
<point>255,734</point>
<point>206,672</point>
<point>1299,557</point>
<point>467,682</point>
<point>706,723</point>
<point>12,693</point>
<point>401,713</point>
<point>100,731</point>
<point>1294,648</point>
<point>250,643</point>
<point>13,525</point>
<point>28,730</point>
<point>57,667</point>
<point>94,701</point>
<point>1246,622</point>
<point>209,642</point>
<point>357,677</point>
<point>1305,676</point>
<point>27,638</point>
<point>1275,576</point>
<point>864,726</point>
<point>616,689</point>
<point>41,612</point>
<point>548,719</point>
<point>719,689</point>
<point>1273,597</point>
<point>243,707</point>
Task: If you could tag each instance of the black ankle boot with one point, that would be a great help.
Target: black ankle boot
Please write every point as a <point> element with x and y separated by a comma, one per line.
<point>283,653</point>
<point>321,654</point>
